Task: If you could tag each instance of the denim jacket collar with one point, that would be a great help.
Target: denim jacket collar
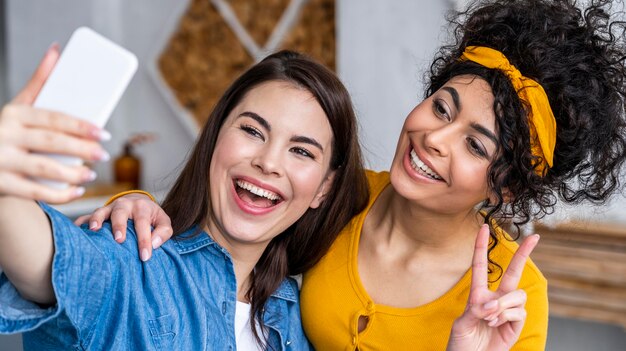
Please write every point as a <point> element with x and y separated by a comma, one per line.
<point>195,239</point>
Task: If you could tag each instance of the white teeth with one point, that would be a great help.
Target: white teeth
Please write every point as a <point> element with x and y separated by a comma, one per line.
<point>257,191</point>
<point>421,167</point>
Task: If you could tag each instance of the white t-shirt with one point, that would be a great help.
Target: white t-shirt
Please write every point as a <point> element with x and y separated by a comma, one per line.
<point>243,331</point>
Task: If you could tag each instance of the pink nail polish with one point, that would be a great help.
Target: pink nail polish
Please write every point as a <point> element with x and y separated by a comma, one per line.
<point>145,255</point>
<point>102,155</point>
<point>491,304</point>
<point>156,242</point>
<point>80,191</point>
<point>104,135</point>
<point>90,176</point>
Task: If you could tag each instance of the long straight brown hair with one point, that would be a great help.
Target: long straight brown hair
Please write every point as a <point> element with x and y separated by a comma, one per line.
<point>303,244</point>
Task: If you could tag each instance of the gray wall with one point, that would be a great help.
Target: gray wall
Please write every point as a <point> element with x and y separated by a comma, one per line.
<point>3,73</point>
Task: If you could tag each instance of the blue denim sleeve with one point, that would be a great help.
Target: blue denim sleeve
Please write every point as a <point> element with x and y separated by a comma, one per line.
<point>81,275</point>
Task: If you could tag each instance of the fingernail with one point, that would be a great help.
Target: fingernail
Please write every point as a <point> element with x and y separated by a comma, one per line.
<point>93,225</point>
<point>156,242</point>
<point>80,191</point>
<point>54,45</point>
<point>104,135</point>
<point>101,155</point>
<point>144,255</point>
<point>491,304</point>
<point>490,317</point>
<point>493,322</point>
<point>118,235</point>
<point>89,176</point>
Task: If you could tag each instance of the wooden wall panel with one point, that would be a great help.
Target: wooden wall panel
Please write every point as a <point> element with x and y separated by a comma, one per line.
<point>585,264</point>
<point>204,55</point>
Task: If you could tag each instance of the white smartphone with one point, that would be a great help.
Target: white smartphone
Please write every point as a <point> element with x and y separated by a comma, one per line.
<point>87,82</point>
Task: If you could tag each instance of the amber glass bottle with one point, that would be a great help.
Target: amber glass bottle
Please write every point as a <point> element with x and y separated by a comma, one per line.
<point>128,167</point>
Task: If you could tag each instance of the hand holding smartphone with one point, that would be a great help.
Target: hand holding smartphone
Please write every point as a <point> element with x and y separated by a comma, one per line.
<point>87,83</point>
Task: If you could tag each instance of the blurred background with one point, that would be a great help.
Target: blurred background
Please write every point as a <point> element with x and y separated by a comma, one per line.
<point>190,50</point>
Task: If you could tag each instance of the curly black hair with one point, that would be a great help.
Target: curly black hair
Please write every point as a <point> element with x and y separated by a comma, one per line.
<point>578,57</point>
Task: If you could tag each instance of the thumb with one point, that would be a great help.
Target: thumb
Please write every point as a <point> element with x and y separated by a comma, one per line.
<point>28,94</point>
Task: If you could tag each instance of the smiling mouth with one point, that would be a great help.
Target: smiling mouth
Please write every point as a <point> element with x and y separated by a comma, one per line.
<point>256,196</point>
<point>422,168</point>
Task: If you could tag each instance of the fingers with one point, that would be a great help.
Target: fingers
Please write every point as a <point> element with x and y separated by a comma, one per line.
<point>142,210</point>
<point>473,316</point>
<point>28,117</point>
<point>513,274</point>
<point>82,220</point>
<point>50,142</point>
<point>144,237</point>
<point>19,186</point>
<point>98,216</point>
<point>480,263</point>
<point>515,315</point>
<point>145,214</point>
<point>514,299</point>
<point>40,166</point>
<point>26,134</point>
<point>32,88</point>
<point>162,231</point>
<point>120,213</point>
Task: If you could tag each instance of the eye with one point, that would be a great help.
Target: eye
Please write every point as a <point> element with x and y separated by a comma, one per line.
<point>252,131</point>
<point>302,152</point>
<point>439,107</point>
<point>476,147</point>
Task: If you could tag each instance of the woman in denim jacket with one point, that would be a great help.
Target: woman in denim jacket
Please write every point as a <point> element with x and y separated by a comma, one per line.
<point>274,175</point>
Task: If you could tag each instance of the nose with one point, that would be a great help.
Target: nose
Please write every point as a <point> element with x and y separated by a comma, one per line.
<point>268,160</point>
<point>438,141</point>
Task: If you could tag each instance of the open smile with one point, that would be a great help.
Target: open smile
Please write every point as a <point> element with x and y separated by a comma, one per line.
<point>421,168</point>
<point>254,196</point>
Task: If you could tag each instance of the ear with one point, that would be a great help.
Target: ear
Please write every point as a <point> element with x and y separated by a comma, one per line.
<point>323,190</point>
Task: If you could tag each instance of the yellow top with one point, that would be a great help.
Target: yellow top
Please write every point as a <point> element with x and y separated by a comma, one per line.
<point>333,298</point>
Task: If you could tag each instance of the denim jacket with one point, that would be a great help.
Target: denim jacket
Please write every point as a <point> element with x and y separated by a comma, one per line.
<point>183,298</point>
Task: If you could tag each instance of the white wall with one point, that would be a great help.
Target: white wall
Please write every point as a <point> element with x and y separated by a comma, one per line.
<point>384,47</point>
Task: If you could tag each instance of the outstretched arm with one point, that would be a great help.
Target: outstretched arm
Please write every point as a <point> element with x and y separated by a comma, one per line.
<point>26,248</point>
<point>26,244</point>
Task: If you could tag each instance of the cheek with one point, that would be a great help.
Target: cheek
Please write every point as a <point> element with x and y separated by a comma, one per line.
<point>306,181</point>
<point>473,172</point>
<point>229,149</point>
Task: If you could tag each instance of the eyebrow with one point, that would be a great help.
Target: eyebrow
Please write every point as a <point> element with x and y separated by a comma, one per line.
<point>268,127</point>
<point>455,97</point>
<point>484,131</point>
<point>477,127</point>
<point>257,118</point>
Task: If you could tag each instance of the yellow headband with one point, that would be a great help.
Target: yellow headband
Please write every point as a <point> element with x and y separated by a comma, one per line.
<point>541,120</point>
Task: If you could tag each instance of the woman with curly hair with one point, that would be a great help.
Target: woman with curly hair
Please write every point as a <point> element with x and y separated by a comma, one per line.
<point>526,107</point>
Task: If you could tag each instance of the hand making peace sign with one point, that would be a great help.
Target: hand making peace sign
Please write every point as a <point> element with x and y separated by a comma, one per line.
<point>492,320</point>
